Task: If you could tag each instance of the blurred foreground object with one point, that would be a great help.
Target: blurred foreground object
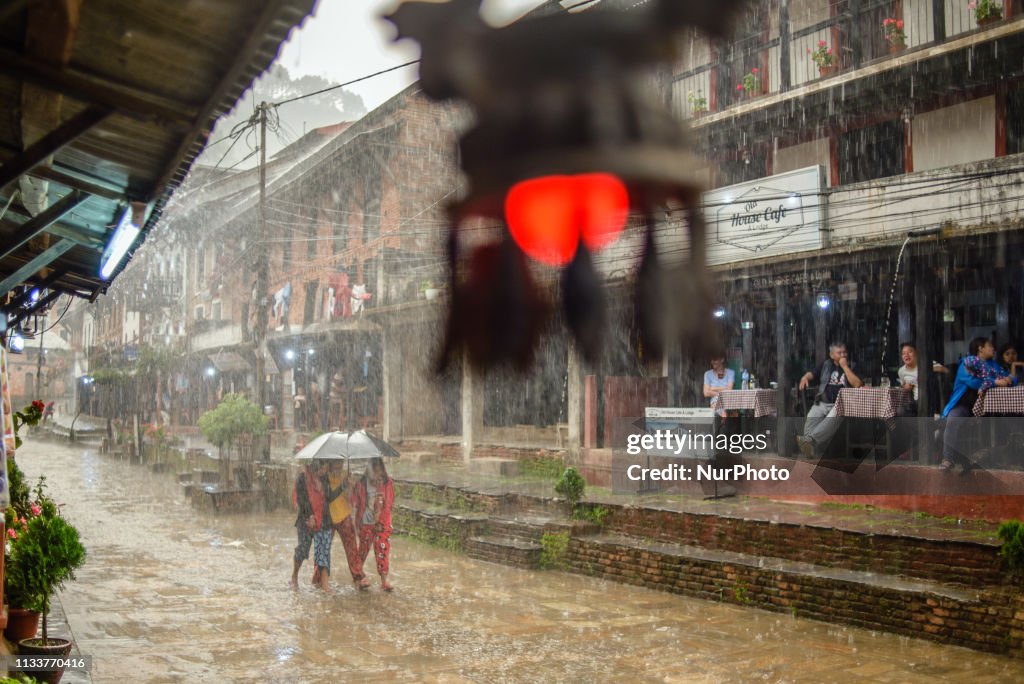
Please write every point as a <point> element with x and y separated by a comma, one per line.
<point>566,143</point>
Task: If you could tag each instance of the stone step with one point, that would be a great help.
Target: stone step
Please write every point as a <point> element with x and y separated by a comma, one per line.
<point>504,467</point>
<point>533,527</point>
<point>504,550</point>
<point>918,608</point>
<point>925,549</point>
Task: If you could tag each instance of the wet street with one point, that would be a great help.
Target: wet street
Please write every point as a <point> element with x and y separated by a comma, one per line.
<point>169,594</point>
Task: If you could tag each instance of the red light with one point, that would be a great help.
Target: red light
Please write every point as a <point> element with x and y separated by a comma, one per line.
<point>547,216</point>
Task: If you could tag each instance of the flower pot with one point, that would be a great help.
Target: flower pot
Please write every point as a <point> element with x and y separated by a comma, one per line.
<point>990,19</point>
<point>52,648</point>
<point>827,71</point>
<point>21,624</point>
<point>897,48</point>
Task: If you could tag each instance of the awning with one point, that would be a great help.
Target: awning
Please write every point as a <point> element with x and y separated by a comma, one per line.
<point>108,105</point>
<point>229,362</point>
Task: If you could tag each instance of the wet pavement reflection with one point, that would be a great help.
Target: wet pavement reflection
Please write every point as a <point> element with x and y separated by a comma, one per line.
<point>171,594</point>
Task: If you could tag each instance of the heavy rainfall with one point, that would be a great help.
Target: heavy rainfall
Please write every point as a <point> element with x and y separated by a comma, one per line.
<point>567,340</point>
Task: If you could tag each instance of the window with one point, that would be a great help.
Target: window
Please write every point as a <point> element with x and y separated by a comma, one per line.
<point>216,310</point>
<point>871,152</point>
<point>200,313</point>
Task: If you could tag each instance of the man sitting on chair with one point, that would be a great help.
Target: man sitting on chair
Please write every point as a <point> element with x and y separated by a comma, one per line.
<point>836,373</point>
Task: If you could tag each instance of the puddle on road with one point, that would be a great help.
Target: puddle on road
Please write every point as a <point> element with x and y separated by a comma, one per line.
<point>168,594</point>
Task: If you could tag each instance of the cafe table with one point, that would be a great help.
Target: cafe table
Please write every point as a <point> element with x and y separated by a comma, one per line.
<point>761,401</point>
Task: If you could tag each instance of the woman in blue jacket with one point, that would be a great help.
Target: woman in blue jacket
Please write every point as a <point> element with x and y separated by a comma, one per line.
<point>977,372</point>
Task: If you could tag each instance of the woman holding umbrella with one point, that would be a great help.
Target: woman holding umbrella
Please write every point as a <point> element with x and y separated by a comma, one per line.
<point>373,499</point>
<point>338,494</point>
<point>313,523</point>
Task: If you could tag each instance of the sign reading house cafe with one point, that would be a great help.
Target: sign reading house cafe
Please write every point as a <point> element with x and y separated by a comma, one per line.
<point>770,216</point>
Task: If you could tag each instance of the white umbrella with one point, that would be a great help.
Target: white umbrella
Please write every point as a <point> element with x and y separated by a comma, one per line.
<point>350,446</point>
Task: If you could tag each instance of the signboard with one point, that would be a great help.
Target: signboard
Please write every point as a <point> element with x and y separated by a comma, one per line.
<point>771,216</point>
<point>681,422</point>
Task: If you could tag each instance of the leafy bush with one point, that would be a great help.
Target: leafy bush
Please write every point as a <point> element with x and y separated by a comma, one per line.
<point>547,468</point>
<point>1012,551</point>
<point>553,547</point>
<point>571,485</point>
<point>595,514</point>
<point>45,555</point>
<point>234,416</point>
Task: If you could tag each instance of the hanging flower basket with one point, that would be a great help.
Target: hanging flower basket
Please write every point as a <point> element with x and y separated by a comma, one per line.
<point>829,70</point>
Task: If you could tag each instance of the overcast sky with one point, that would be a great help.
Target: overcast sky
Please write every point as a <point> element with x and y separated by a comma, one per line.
<point>346,39</point>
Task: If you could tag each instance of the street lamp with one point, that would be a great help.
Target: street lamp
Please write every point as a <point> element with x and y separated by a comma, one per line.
<point>289,354</point>
<point>824,301</point>
<point>211,371</point>
<point>16,343</point>
<point>719,312</point>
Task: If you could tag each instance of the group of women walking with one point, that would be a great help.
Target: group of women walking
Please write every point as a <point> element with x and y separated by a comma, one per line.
<point>360,512</point>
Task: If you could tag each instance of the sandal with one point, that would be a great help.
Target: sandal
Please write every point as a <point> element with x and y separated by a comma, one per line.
<point>947,466</point>
<point>363,584</point>
<point>386,587</point>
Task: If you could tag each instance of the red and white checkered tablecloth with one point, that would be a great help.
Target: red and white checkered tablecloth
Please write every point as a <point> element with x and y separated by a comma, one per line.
<point>760,401</point>
<point>873,402</point>
<point>1000,400</point>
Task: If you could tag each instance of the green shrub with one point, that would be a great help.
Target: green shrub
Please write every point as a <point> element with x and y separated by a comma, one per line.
<point>571,485</point>
<point>1012,551</point>
<point>45,555</point>
<point>547,468</point>
<point>234,416</point>
<point>553,548</point>
<point>595,514</point>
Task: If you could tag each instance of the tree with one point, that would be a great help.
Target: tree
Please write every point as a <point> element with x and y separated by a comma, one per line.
<point>234,417</point>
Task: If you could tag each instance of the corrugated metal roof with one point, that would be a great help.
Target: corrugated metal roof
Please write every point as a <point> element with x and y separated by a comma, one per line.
<point>126,95</point>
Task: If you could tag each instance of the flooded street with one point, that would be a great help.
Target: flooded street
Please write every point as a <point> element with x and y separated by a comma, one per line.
<point>168,594</point>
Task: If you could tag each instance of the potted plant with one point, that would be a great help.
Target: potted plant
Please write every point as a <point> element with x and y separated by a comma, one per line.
<point>46,555</point>
<point>824,58</point>
<point>698,103</point>
<point>985,11</point>
<point>428,290</point>
<point>751,83</point>
<point>22,622</point>
<point>892,29</point>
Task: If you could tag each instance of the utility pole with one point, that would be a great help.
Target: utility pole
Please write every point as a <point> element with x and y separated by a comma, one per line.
<point>39,368</point>
<point>262,272</point>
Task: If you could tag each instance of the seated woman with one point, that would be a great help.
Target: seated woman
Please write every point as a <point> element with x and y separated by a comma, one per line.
<point>717,380</point>
<point>977,372</point>
<point>1007,358</point>
<point>907,373</point>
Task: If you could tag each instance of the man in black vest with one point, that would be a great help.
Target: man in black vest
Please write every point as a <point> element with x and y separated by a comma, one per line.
<point>836,373</point>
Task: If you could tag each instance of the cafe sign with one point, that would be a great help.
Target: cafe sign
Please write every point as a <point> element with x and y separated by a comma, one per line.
<point>767,217</point>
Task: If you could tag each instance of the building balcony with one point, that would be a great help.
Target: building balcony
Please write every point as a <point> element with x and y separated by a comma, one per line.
<point>211,334</point>
<point>935,31</point>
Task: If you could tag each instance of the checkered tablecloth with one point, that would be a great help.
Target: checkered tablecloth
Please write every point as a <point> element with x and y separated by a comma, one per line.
<point>760,401</point>
<point>873,402</point>
<point>1000,400</point>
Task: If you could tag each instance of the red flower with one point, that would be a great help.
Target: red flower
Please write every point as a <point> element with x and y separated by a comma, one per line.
<point>38,404</point>
<point>739,86</point>
<point>754,70</point>
<point>899,24</point>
